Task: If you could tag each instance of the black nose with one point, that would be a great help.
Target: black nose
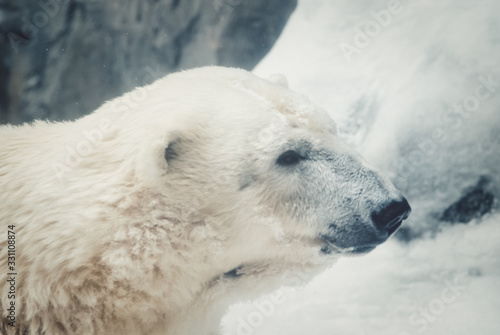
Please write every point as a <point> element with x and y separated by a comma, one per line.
<point>390,216</point>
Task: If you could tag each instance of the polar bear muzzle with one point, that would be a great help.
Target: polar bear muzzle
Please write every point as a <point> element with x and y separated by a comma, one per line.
<point>385,221</point>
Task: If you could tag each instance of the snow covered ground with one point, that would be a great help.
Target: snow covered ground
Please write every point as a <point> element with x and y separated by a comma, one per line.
<point>415,87</point>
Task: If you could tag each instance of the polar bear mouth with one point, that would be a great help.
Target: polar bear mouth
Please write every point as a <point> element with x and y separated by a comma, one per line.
<point>393,225</point>
<point>359,250</point>
<point>329,248</point>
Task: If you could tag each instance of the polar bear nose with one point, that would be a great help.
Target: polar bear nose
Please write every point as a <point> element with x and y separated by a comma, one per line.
<point>389,218</point>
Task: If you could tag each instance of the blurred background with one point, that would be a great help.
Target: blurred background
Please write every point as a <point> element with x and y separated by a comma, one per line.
<point>413,84</point>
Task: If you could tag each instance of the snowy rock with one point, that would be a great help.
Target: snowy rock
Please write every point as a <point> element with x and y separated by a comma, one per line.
<point>63,58</point>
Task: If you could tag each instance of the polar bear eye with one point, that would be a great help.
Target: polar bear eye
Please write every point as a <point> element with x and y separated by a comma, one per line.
<point>289,158</point>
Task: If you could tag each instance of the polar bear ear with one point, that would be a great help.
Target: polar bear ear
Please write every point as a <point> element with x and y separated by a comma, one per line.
<point>154,159</point>
<point>278,79</point>
<point>170,151</point>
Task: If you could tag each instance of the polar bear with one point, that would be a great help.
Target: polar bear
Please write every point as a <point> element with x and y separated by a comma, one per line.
<point>154,213</point>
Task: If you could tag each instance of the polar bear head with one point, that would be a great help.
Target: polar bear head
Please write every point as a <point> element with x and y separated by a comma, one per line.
<point>248,178</point>
<point>256,165</point>
<point>242,152</point>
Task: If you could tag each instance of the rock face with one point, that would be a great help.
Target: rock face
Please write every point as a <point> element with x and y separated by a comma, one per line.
<point>61,59</point>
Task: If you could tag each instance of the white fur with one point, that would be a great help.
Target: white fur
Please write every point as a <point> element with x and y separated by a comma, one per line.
<point>111,238</point>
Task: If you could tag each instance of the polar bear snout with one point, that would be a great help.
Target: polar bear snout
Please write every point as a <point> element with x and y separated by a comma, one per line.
<point>391,215</point>
<point>373,209</point>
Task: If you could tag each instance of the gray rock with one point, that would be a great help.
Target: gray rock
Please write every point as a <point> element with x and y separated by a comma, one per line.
<point>60,59</point>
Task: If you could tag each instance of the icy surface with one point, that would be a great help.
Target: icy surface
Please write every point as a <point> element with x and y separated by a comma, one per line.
<point>394,100</point>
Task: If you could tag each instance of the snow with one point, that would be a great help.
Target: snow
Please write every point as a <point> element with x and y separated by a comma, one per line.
<point>395,101</point>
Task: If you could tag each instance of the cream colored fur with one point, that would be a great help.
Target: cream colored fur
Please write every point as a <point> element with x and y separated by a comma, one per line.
<point>112,238</point>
